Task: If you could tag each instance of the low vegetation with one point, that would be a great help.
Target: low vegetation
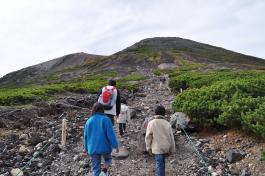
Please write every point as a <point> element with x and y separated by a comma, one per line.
<point>227,98</point>
<point>91,84</point>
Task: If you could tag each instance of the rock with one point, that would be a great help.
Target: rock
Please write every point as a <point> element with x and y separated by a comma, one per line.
<point>123,153</point>
<point>133,113</point>
<point>23,136</point>
<point>84,164</point>
<point>38,146</point>
<point>23,150</point>
<point>234,156</point>
<point>245,172</point>
<point>165,66</point>
<point>179,120</point>
<point>34,139</point>
<point>198,144</point>
<point>3,123</point>
<point>16,172</point>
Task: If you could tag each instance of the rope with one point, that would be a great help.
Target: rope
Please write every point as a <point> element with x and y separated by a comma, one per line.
<point>39,152</point>
<point>202,160</point>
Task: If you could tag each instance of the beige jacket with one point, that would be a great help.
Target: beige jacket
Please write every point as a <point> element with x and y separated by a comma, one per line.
<point>159,136</point>
<point>124,116</point>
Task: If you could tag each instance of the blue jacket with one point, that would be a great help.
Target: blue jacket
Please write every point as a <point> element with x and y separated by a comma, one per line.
<point>99,136</point>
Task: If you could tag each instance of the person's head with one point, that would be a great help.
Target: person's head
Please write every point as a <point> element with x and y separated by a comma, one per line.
<point>123,100</point>
<point>97,107</point>
<point>112,82</point>
<point>160,110</point>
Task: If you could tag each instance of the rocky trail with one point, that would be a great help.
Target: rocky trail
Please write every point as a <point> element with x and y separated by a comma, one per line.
<point>184,162</point>
<point>25,131</point>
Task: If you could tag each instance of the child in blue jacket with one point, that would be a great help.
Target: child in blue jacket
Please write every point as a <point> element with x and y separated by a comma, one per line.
<point>99,139</point>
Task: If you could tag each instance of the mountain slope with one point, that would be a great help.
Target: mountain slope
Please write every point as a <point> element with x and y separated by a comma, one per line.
<point>147,54</point>
<point>73,62</point>
<point>194,49</point>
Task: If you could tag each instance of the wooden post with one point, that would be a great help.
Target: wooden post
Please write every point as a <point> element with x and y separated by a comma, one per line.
<point>64,131</point>
<point>181,90</point>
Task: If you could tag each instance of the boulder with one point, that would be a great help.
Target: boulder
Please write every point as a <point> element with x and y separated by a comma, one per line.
<point>123,153</point>
<point>179,120</point>
<point>234,156</point>
<point>16,172</point>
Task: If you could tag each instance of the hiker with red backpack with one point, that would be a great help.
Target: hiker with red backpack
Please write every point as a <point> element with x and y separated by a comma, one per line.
<point>109,97</point>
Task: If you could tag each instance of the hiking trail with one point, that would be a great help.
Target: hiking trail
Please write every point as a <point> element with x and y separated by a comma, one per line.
<point>183,162</point>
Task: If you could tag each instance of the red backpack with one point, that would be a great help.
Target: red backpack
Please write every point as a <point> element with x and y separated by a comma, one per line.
<point>107,97</point>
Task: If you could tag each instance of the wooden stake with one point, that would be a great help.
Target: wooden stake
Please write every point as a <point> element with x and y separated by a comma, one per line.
<point>64,131</point>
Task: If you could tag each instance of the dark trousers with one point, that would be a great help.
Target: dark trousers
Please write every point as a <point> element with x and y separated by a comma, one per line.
<point>122,128</point>
<point>111,117</point>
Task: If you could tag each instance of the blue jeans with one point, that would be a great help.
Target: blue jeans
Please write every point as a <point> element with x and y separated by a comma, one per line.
<point>96,162</point>
<point>160,164</point>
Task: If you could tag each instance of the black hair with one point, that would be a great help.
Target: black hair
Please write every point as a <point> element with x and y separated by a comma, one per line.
<point>97,107</point>
<point>123,100</point>
<point>112,82</point>
<point>160,110</point>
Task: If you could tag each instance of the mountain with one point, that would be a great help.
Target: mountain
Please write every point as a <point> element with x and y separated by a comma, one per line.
<point>150,54</point>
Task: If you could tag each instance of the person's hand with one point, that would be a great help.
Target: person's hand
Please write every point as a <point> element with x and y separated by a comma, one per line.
<point>168,154</point>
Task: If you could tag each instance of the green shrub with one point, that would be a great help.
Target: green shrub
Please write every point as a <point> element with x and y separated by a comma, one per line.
<point>235,102</point>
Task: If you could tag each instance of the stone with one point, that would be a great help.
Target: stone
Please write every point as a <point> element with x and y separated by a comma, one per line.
<point>133,113</point>
<point>123,154</point>
<point>16,172</point>
<point>198,144</point>
<point>179,120</point>
<point>38,146</point>
<point>245,172</point>
<point>166,66</point>
<point>23,136</point>
<point>84,164</point>
<point>234,156</point>
<point>23,150</point>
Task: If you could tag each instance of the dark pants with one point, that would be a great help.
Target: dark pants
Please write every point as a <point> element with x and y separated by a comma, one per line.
<point>111,117</point>
<point>122,128</point>
<point>160,164</point>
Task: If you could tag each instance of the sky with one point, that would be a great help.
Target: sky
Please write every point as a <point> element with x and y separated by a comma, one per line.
<point>35,31</point>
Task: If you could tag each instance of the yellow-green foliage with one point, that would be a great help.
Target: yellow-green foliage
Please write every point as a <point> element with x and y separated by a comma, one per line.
<point>133,77</point>
<point>31,93</point>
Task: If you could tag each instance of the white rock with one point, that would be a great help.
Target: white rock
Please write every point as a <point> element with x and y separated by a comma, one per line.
<point>38,146</point>
<point>23,150</point>
<point>16,172</point>
<point>23,136</point>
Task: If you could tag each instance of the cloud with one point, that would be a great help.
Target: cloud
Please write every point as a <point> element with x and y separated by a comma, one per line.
<point>34,31</point>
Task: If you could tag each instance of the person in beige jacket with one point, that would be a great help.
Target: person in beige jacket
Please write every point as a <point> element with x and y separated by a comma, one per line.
<point>159,139</point>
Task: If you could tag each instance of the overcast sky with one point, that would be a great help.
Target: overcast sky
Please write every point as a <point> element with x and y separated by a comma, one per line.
<point>34,31</point>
